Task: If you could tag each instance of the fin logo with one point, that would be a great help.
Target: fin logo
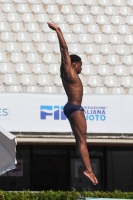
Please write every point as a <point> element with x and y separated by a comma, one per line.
<point>52,111</point>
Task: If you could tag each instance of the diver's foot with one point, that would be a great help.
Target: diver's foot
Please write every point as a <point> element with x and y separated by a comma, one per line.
<point>92,177</point>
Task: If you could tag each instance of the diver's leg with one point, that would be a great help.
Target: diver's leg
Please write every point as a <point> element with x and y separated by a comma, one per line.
<point>79,127</point>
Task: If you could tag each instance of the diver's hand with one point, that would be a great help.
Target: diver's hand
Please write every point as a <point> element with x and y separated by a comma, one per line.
<point>53,26</point>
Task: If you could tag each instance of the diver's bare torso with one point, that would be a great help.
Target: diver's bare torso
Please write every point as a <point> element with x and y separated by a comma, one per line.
<point>73,87</point>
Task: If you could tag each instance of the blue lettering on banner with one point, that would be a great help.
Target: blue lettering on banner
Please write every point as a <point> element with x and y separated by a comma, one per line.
<point>4,112</point>
<point>95,113</point>
<point>92,113</point>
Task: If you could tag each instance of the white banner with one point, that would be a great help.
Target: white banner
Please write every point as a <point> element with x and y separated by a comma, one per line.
<point>44,113</point>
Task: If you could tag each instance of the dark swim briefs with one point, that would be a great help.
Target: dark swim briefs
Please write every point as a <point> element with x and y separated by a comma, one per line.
<point>70,108</point>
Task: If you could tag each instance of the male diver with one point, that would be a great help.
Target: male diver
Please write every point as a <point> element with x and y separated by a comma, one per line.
<point>70,68</point>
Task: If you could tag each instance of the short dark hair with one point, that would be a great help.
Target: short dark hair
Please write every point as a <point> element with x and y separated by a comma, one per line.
<point>75,58</point>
